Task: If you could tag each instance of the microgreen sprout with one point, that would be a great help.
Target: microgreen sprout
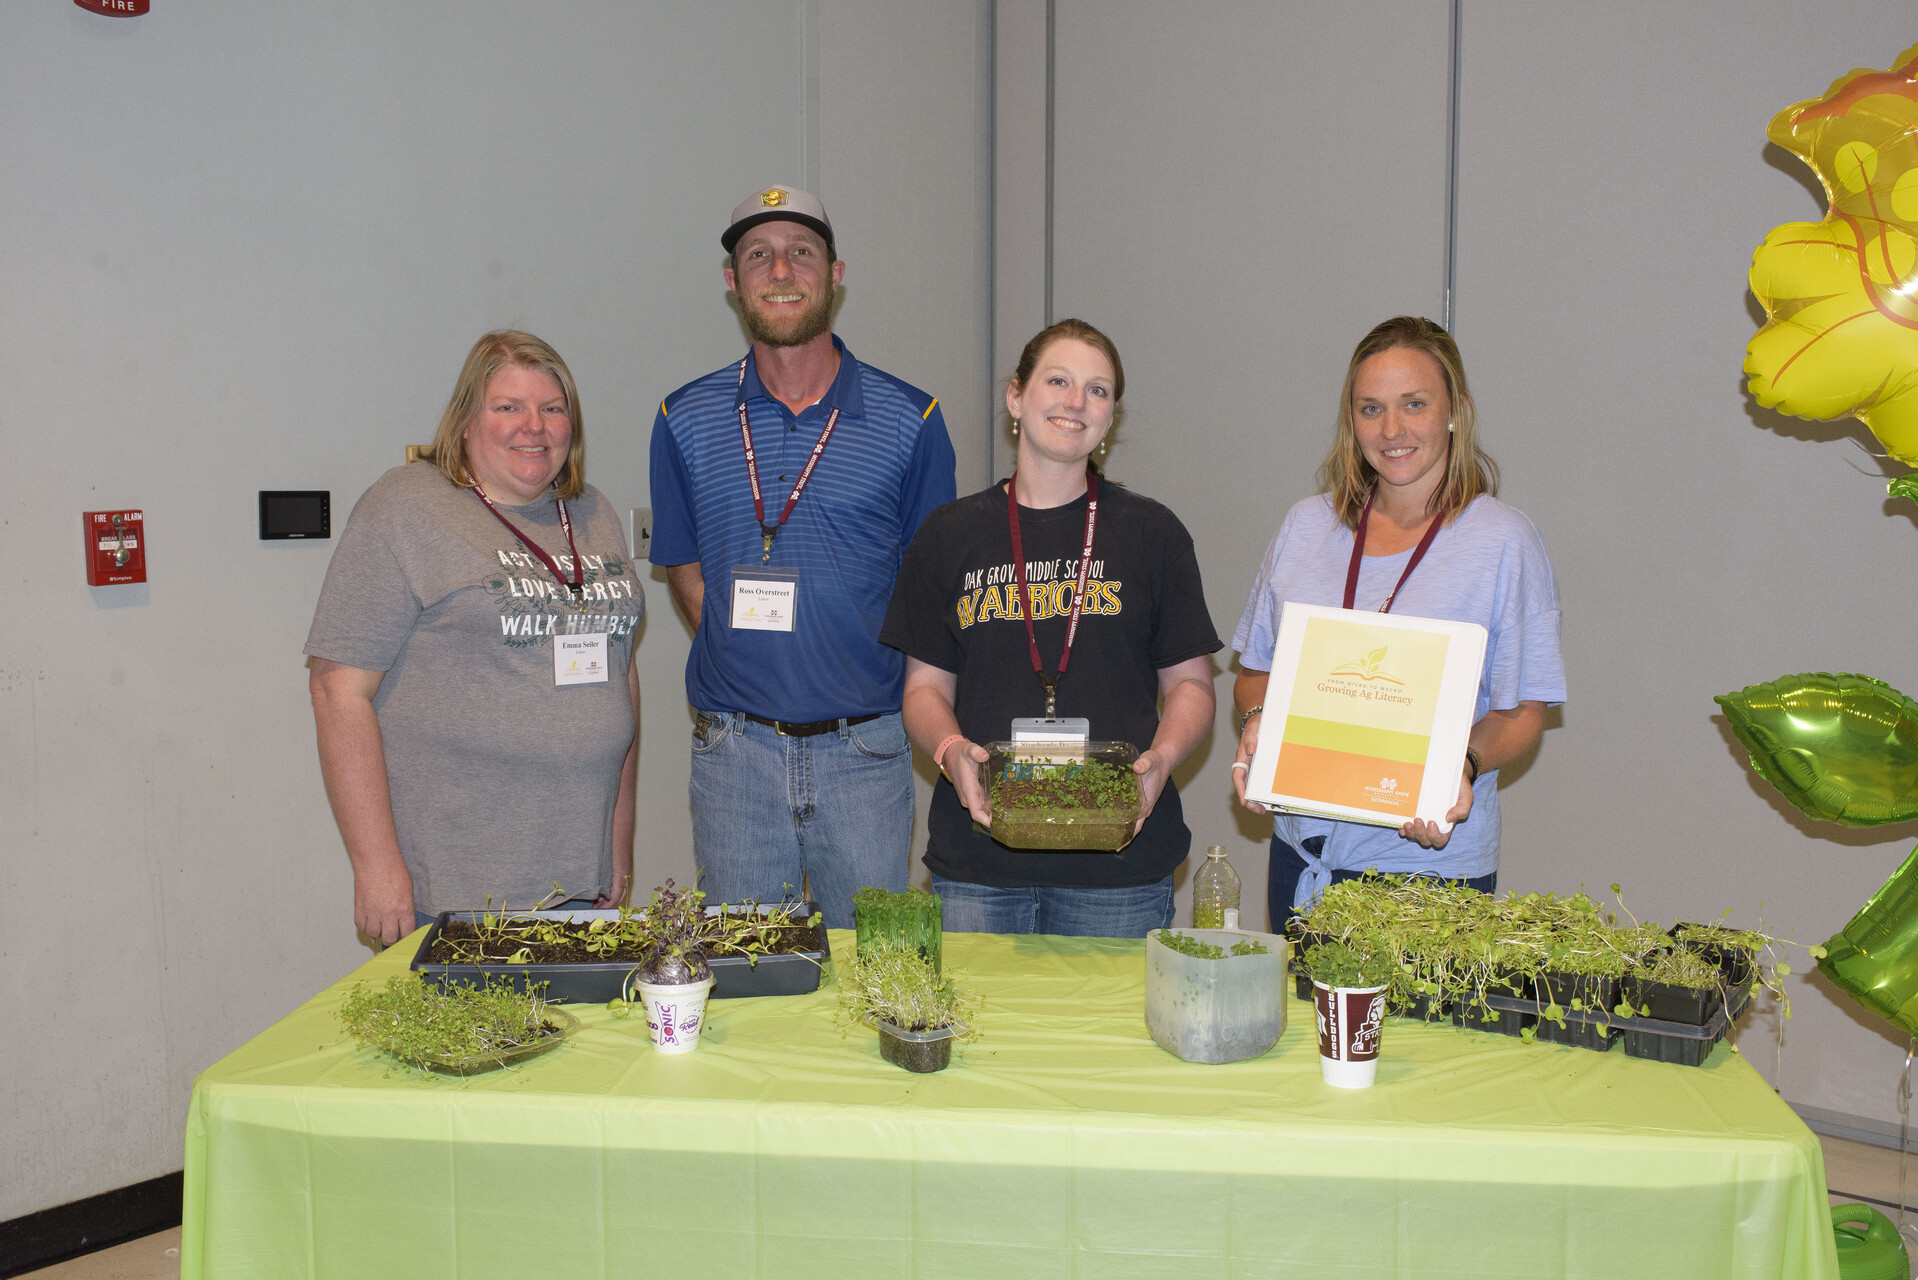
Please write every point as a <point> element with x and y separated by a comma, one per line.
<point>459,1023</point>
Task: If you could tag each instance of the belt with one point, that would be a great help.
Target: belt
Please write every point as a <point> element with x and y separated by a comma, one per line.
<point>810,730</point>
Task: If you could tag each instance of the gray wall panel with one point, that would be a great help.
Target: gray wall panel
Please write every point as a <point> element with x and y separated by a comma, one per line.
<point>1615,179</point>
<point>1241,191</point>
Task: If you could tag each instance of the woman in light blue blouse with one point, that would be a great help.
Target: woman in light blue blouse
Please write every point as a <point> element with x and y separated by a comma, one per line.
<point>1407,484</point>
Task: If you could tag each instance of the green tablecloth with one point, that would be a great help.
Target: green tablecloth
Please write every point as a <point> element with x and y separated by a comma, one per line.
<point>1065,1143</point>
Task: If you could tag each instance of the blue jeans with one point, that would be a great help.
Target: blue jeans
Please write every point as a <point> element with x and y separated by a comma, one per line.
<point>772,813</point>
<point>1129,912</point>
<point>1285,867</point>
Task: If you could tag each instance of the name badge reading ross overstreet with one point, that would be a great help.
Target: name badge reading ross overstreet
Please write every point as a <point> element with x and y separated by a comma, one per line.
<point>764,599</point>
<point>580,659</point>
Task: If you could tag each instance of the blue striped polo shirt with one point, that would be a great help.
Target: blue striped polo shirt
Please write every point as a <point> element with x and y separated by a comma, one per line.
<point>888,465</point>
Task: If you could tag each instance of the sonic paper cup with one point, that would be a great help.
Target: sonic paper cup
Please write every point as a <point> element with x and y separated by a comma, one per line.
<point>674,1014</point>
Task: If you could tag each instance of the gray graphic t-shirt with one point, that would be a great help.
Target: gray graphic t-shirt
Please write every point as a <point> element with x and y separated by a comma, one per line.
<point>502,782</point>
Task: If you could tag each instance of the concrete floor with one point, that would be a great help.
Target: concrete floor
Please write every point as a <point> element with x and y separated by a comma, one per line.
<point>1853,1173</point>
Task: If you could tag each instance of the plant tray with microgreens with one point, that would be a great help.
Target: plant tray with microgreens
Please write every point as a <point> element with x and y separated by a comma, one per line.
<point>1550,968</point>
<point>584,957</point>
<point>459,1028</point>
<point>1060,796</point>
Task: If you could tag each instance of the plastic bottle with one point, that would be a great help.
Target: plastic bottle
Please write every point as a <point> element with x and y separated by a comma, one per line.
<point>1215,892</point>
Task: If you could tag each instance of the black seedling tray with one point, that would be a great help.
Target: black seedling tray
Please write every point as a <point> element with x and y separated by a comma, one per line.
<point>597,982</point>
<point>1669,1002</point>
<point>1656,1039</point>
<point>1653,1038</point>
<point>1505,1022</point>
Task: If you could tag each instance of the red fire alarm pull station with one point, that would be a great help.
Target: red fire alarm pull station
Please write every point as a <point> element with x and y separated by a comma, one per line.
<point>116,547</point>
<point>114,8</point>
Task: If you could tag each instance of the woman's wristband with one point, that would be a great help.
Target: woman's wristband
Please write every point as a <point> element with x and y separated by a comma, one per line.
<point>939,755</point>
<point>1246,719</point>
<point>1475,763</point>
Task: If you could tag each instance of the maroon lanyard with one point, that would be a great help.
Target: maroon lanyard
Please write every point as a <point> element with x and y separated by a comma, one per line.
<point>1358,550</point>
<point>552,565</point>
<point>768,532</point>
<point>1051,683</point>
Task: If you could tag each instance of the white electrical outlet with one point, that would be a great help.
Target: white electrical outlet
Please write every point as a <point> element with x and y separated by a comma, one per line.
<point>639,532</point>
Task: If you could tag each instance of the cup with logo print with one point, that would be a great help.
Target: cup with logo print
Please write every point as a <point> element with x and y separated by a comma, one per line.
<point>675,1012</point>
<point>1349,1019</point>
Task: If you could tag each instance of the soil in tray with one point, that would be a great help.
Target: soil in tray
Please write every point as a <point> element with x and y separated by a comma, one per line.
<point>571,949</point>
<point>1096,787</point>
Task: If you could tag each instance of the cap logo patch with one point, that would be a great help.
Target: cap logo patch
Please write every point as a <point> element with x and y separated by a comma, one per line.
<point>772,197</point>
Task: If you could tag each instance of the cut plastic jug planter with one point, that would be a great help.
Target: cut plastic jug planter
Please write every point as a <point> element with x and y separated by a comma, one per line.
<point>1213,1011</point>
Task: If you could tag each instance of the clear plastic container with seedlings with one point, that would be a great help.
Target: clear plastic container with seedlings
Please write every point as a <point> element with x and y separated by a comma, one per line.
<point>917,1010</point>
<point>1062,796</point>
<point>913,918</point>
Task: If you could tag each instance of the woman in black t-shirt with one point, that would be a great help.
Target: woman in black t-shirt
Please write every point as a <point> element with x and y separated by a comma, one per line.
<point>972,665</point>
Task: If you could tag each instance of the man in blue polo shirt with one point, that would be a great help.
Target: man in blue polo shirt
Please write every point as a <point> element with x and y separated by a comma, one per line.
<point>785,488</point>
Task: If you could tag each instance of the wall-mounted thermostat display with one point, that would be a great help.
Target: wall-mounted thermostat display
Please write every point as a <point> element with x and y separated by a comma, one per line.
<point>296,513</point>
<point>116,547</point>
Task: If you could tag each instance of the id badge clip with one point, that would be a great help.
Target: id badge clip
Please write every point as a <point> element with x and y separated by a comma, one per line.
<point>764,598</point>
<point>1064,730</point>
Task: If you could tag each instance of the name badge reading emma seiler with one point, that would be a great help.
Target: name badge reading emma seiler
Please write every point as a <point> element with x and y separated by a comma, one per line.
<point>580,659</point>
<point>764,599</point>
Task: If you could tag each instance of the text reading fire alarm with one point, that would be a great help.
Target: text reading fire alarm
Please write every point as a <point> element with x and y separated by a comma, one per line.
<point>116,547</point>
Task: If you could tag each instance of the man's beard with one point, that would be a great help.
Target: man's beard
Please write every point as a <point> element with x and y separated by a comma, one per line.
<point>794,330</point>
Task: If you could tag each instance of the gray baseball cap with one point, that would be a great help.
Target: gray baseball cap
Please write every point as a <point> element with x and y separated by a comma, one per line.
<point>779,204</point>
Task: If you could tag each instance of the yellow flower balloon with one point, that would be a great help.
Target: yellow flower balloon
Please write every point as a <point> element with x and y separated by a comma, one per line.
<point>1842,294</point>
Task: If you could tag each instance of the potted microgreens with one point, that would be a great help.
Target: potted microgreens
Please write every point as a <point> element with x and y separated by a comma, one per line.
<point>1538,965</point>
<point>1214,995</point>
<point>918,1011</point>
<point>672,978</point>
<point>913,919</point>
<point>1048,796</point>
<point>458,1029</point>
<point>1348,997</point>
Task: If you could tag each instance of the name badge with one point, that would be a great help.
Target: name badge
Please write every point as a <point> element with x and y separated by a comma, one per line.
<point>580,659</point>
<point>1067,730</point>
<point>764,599</point>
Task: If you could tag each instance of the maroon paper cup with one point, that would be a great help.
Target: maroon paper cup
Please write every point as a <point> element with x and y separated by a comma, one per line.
<point>1349,1019</point>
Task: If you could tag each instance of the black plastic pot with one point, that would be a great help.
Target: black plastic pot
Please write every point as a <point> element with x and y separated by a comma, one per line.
<point>1505,1022</point>
<point>1684,1050</point>
<point>1596,995</point>
<point>920,1051</point>
<point>1668,1002</point>
<point>1737,964</point>
<point>1424,1008</point>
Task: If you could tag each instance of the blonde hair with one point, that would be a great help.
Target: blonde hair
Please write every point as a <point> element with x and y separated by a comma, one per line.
<point>1469,470</point>
<point>489,355</point>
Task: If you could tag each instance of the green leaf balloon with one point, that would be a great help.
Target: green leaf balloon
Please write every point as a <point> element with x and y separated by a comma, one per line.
<point>1875,958</point>
<point>1843,748</point>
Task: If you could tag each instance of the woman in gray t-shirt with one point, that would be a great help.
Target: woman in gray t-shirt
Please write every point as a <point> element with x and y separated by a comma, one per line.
<point>471,662</point>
